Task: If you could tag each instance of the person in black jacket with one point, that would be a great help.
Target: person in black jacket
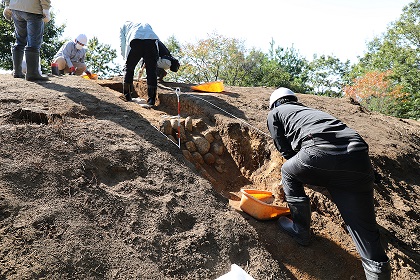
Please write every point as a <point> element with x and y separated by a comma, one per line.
<point>166,61</point>
<point>322,151</point>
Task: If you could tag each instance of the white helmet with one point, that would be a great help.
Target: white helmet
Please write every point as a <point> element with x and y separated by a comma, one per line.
<point>279,93</point>
<point>82,39</point>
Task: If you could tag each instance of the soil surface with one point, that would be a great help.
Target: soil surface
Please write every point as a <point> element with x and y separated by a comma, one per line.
<point>92,187</point>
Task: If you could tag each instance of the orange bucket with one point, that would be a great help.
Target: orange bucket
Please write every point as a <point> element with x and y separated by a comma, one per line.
<point>252,203</point>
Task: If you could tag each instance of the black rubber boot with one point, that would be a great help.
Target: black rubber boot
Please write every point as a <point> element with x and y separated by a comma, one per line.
<point>32,64</point>
<point>17,56</point>
<point>151,93</point>
<point>127,90</point>
<point>299,227</point>
<point>376,270</point>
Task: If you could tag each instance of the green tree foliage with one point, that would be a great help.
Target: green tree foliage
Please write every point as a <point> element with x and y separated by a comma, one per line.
<point>397,50</point>
<point>174,47</point>
<point>289,69</point>
<point>6,40</point>
<point>51,42</point>
<point>99,58</point>
<point>215,58</point>
<point>326,75</point>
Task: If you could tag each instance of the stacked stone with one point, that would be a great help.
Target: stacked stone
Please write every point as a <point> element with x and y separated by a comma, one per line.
<point>199,144</point>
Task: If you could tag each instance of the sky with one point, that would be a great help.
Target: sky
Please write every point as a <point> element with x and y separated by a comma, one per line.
<point>340,28</point>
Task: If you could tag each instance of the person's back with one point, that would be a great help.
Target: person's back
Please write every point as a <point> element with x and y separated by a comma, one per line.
<point>305,126</point>
<point>323,151</point>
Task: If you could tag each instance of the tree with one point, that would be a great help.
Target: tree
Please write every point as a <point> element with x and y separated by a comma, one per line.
<point>174,48</point>
<point>375,91</point>
<point>6,41</point>
<point>397,50</point>
<point>51,42</point>
<point>215,58</point>
<point>287,68</point>
<point>99,58</point>
<point>326,75</point>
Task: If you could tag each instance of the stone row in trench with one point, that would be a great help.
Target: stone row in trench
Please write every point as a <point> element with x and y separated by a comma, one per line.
<point>199,144</point>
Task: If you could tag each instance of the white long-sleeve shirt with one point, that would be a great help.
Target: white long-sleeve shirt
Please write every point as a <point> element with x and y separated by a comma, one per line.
<point>130,31</point>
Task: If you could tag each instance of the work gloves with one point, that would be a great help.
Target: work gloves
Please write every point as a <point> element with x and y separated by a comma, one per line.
<point>7,13</point>
<point>72,70</point>
<point>47,16</point>
<point>88,73</point>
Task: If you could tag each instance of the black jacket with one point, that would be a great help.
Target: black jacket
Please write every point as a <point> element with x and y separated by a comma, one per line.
<point>293,126</point>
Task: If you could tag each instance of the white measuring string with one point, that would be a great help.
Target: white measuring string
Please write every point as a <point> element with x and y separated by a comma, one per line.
<point>178,93</point>
<point>223,110</point>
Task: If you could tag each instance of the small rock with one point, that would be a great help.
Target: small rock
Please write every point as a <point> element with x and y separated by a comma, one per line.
<point>188,124</point>
<point>209,158</point>
<point>190,146</point>
<point>198,157</point>
<point>203,146</point>
<point>217,148</point>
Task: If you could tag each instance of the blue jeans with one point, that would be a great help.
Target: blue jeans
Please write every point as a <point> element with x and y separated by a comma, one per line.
<point>29,31</point>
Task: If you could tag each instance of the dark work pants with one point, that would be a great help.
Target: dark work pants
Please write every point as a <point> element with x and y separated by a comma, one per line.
<point>146,49</point>
<point>349,179</point>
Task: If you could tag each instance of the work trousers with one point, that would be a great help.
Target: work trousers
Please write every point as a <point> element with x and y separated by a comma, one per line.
<point>348,176</point>
<point>62,65</point>
<point>146,49</point>
<point>29,31</point>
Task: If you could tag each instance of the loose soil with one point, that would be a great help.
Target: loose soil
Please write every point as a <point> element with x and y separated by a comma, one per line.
<point>92,187</point>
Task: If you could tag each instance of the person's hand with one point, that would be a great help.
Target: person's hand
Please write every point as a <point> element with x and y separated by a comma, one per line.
<point>47,16</point>
<point>88,73</point>
<point>7,13</point>
<point>72,70</point>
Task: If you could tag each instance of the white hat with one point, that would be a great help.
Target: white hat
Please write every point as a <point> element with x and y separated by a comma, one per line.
<point>279,93</point>
<point>164,63</point>
<point>82,39</point>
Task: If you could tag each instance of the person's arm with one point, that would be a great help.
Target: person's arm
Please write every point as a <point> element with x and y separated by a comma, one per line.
<point>278,135</point>
<point>163,50</point>
<point>123,41</point>
<point>67,52</point>
<point>46,5</point>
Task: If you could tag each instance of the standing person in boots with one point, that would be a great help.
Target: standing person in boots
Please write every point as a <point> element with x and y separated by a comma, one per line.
<point>322,151</point>
<point>139,41</point>
<point>28,17</point>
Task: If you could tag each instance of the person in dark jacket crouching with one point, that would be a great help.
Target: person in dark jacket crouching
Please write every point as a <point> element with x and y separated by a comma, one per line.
<point>321,150</point>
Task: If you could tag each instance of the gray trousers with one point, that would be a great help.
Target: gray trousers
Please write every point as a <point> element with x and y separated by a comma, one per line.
<point>348,176</point>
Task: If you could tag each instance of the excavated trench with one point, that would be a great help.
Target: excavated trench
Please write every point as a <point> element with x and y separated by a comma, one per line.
<point>227,151</point>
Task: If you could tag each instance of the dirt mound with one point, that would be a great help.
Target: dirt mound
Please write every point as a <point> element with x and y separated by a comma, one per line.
<point>93,187</point>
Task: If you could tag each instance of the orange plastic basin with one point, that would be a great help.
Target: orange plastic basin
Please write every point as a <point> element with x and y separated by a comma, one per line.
<point>216,86</point>
<point>92,77</point>
<point>252,203</point>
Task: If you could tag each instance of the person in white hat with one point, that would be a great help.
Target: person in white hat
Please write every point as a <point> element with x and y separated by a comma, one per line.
<point>323,151</point>
<point>71,56</point>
